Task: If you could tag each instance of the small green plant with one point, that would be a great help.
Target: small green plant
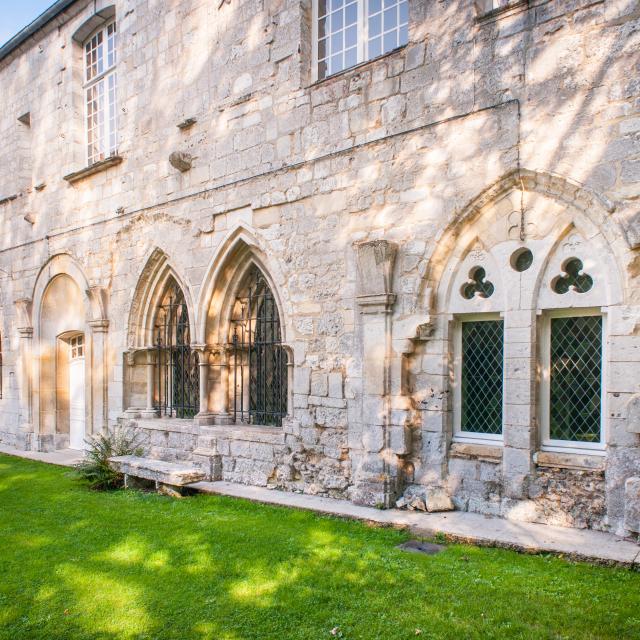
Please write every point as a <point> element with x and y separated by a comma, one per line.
<point>95,468</point>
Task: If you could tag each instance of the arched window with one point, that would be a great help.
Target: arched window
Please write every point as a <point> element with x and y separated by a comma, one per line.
<point>177,384</point>
<point>259,359</point>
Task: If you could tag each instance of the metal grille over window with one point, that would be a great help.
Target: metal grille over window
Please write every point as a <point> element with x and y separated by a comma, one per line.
<point>259,359</point>
<point>177,388</point>
<point>576,378</point>
<point>352,31</point>
<point>100,93</point>
<point>482,372</point>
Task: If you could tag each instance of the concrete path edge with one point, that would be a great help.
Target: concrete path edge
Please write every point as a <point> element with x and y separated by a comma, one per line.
<point>457,526</point>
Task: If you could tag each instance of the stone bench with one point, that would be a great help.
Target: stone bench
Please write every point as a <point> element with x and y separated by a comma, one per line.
<point>169,477</point>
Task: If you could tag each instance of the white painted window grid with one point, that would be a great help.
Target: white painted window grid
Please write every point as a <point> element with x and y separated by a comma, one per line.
<point>544,361</point>
<point>459,435</point>
<point>100,88</point>
<point>77,346</point>
<point>348,32</point>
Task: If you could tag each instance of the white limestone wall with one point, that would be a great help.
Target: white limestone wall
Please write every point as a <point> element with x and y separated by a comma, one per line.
<point>394,149</point>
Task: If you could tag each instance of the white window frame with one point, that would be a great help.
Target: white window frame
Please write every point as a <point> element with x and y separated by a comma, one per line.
<point>459,435</point>
<point>362,42</point>
<point>544,359</point>
<point>103,77</point>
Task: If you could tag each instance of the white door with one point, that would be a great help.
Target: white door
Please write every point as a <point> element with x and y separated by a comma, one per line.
<point>76,394</point>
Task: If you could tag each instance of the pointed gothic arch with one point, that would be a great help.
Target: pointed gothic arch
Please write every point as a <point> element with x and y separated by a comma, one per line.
<point>586,210</point>
<point>162,360</point>
<point>150,287</point>
<point>243,322</point>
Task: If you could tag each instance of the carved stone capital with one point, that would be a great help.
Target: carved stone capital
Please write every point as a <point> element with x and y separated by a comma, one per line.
<point>24,307</point>
<point>375,260</point>
<point>99,326</point>
<point>376,304</point>
<point>98,296</point>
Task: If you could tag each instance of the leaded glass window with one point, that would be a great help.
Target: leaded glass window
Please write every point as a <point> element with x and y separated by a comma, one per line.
<point>575,393</point>
<point>482,377</point>
<point>352,31</point>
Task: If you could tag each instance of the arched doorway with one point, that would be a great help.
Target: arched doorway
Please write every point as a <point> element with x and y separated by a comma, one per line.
<point>177,383</point>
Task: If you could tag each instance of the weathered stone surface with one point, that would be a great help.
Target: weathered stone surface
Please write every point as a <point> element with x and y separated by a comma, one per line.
<point>161,471</point>
<point>632,504</point>
<point>366,199</point>
<point>438,500</point>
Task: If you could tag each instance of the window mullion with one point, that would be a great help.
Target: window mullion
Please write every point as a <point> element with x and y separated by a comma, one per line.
<point>363,31</point>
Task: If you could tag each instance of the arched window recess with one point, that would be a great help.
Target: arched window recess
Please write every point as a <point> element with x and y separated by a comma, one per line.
<point>177,371</point>
<point>258,357</point>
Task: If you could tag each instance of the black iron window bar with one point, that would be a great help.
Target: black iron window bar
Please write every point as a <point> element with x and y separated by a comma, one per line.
<point>258,357</point>
<point>178,385</point>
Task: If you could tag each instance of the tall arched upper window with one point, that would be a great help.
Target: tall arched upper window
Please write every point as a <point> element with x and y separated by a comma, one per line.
<point>259,360</point>
<point>177,370</point>
<point>100,93</point>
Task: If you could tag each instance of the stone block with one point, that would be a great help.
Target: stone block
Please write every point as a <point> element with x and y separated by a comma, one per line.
<point>438,500</point>
<point>301,380</point>
<point>400,440</point>
<point>632,504</point>
<point>633,414</point>
<point>319,384</point>
<point>335,385</point>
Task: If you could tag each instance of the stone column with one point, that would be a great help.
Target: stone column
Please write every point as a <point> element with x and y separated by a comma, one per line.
<point>519,407</point>
<point>376,467</point>
<point>150,411</point>
<point>221,401</point>
<point>99,375</point>
<point>204,416</point>
<point>24,438</point>
<point>25,434</point>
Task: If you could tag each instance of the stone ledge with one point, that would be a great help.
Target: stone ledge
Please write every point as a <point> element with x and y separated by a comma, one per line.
<point>488,13</point>
<point>483,452</point>
<point>96,167</point>
<point>175,425</point>
<point>250,433</point>
<point>583,462</point>
<point>170,473</point>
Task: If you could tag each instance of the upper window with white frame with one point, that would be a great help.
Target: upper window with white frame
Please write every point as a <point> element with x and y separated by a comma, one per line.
<point>100,93</point>
<point>348,32</point>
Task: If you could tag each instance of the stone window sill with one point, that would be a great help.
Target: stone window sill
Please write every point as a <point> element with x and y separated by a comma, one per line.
<point>488,13</point>
<point>482,452</point>
<point>578,461</point>
<point>356,68</point>
<point>96,167</point>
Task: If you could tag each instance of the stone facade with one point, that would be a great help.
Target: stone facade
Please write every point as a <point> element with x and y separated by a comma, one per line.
<point>366,200</point>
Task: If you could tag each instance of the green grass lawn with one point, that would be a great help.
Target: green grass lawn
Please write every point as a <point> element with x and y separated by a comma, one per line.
<point>81,564</point>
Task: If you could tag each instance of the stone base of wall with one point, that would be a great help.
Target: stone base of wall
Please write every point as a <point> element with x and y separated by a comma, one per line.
<point>247,454</point>
<point>167,439</point>
<point>553,495</point>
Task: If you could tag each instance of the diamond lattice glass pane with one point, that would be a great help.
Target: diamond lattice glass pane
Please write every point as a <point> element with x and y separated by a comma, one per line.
<point>482,370</point>
<point>576,378</point>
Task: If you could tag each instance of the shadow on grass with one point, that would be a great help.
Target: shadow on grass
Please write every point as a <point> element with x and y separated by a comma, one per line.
<point>80,564</point>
